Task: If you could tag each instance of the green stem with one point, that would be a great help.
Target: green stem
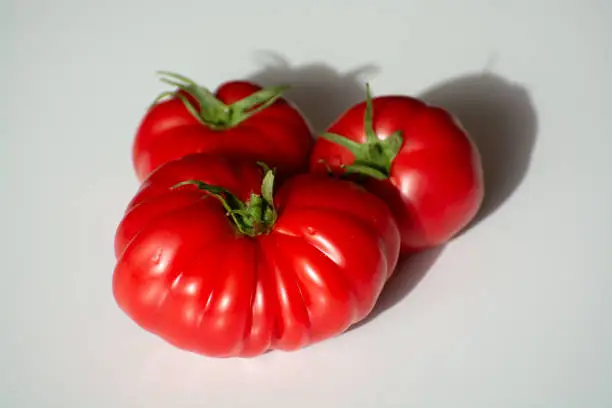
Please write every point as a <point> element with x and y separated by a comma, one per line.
<point>256,216</point>
<point>367,170</point>
<point>212,112</point>
<point>351,145</point>
<point>368,120</point>
<point>374,157</point>
<point>254,103</point>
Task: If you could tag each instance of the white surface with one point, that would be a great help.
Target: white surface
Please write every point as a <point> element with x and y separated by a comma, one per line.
<point>514,313</point>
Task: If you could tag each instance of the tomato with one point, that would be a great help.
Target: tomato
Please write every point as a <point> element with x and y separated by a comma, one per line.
<point>416,157</point>
<point>240,120</point>
<point>213,262</point>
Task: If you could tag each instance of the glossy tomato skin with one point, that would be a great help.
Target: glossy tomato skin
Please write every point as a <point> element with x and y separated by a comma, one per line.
<point>185,273</point>
<point>435,185</point>
<point>278,135</point>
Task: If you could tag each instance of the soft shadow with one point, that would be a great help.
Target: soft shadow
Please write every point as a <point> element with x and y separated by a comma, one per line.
<point>502,120</point>
<point>409,272</point>
<point>318,90</point>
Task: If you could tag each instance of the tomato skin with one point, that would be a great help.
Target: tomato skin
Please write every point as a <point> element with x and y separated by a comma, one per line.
<point>278,135</point>
<point>435,185</point>
<point>186,274</point>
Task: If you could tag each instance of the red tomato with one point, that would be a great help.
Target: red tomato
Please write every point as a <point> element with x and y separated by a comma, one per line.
<point>240,120</point>
<point>221,267</point>
<point>416,157</point>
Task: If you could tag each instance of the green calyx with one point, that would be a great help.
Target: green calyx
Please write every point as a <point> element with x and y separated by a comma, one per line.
<point>374,157</point>
<point>252,218</point>
<point>212,112</point>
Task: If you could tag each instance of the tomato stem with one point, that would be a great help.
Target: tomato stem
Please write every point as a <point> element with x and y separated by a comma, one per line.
<point>251,218</point>
<point>368,117</point>
<point>212,112</point>
<point>373,157</point>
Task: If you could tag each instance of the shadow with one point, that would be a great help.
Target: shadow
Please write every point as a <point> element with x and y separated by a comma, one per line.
<point>319,91</point>
<point>502,121</point>
<point>409,272</point>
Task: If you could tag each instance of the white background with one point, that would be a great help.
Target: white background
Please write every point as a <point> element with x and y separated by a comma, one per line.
<point>516,312</point>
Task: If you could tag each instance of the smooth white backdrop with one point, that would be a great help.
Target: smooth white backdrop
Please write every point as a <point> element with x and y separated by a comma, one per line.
<point>513,313</point>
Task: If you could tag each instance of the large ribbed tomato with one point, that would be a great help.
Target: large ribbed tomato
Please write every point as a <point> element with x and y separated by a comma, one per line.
<point>414,156</point>
<point>212,261</point>
<point>240,120</point>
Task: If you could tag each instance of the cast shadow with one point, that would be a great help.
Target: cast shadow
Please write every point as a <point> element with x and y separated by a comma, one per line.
<point>502,121</point>
<point>319,91</point>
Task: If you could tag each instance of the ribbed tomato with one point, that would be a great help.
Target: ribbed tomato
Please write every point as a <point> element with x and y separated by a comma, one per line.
<point>416,157</point>
<point>240,120</point>
<point>212,261</point>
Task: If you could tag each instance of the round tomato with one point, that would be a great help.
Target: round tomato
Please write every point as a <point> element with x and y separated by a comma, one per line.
<point>213,262</point>
<point>416,157</point>
<point>240,120</point>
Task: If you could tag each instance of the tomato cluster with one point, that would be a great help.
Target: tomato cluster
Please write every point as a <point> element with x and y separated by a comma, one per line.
<point>247,234</point>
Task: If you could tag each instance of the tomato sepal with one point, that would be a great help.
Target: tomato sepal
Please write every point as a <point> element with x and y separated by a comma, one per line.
<point>373,157</point>
<point>211,111</point>
<point>251,218</point>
